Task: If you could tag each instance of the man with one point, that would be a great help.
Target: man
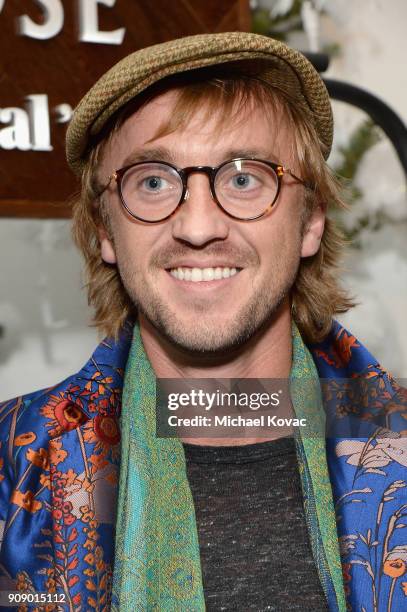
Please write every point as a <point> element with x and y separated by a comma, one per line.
<point>203,223</point>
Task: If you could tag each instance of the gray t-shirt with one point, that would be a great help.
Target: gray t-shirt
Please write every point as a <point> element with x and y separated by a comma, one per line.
<point>254,543</point>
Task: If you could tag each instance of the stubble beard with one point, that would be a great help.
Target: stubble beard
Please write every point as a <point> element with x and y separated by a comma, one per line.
<point>205,335</point>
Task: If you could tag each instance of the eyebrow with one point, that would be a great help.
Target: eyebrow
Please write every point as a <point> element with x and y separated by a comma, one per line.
<point>258,153</point>
<point>166,155</point>
<point>155,154</point>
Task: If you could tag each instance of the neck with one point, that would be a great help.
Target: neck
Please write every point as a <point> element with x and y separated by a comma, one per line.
<point>267,354</point>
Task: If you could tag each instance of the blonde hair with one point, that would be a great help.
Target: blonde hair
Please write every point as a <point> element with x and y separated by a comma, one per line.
<point>316,295</point>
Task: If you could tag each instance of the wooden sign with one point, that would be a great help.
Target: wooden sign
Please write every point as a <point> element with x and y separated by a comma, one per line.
<point>52,52</point>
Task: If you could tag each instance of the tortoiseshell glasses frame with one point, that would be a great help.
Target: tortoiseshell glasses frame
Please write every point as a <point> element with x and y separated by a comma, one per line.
<point>212,172</point>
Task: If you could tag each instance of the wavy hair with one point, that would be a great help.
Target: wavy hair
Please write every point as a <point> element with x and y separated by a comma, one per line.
<point>316,295</point>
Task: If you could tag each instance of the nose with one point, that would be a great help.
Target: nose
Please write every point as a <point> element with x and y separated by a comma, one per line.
<point>199,219</point>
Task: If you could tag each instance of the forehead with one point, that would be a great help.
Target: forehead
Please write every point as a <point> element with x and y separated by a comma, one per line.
<point>203,129</point>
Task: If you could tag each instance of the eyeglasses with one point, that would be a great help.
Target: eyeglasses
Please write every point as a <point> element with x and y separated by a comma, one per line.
<point>243,188</point>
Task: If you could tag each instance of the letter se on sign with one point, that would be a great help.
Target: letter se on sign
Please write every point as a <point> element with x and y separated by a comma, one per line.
<point>29,129</point>
<point>54,21</point>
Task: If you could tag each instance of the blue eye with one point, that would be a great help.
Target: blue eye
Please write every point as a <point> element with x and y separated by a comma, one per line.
<point>240,181</point>
<point>153,183</point>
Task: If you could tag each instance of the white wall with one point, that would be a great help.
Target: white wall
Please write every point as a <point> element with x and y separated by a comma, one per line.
<point>43,309</point>
<point>372,36</point>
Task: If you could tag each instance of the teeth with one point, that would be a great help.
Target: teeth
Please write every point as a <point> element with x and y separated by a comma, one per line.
<point>208,274</point>
<point>197,275</point>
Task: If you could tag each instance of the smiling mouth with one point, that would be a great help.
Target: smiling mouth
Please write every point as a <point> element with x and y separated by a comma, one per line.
<point>198,275</point>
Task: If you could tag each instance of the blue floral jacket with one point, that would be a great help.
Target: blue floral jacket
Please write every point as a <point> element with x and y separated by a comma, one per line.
<point>59,458</point>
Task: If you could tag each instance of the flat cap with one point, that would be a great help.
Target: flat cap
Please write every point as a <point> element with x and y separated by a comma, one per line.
<point>284,67</point>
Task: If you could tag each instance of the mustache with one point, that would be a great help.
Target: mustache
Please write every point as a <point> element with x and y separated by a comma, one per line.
<point>170,254</point>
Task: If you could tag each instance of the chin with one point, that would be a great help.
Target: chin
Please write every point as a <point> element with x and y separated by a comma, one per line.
<point>202,342</point>
<point>200,332</point>
<point>196,337</point>
<point>199,337</point>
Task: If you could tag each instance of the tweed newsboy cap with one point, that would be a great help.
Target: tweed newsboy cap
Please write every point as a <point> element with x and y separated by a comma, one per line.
<point>283,67</point>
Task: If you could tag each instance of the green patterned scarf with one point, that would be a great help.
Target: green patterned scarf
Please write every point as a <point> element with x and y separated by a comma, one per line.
<point>157,558</point>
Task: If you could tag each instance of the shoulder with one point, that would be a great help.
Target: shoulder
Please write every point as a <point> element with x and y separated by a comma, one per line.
<point>355,383</point>
<point>31,421</point>
<point>58,408</point>
<point>28,404</point>
<point>340,353</point>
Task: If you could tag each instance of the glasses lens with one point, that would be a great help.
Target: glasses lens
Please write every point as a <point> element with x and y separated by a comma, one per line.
<point>151,191</point>
<point>246,188</point>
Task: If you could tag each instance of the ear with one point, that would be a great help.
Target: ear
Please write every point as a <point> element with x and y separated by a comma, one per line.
<point>106,246</point>
<point>314,229</point>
